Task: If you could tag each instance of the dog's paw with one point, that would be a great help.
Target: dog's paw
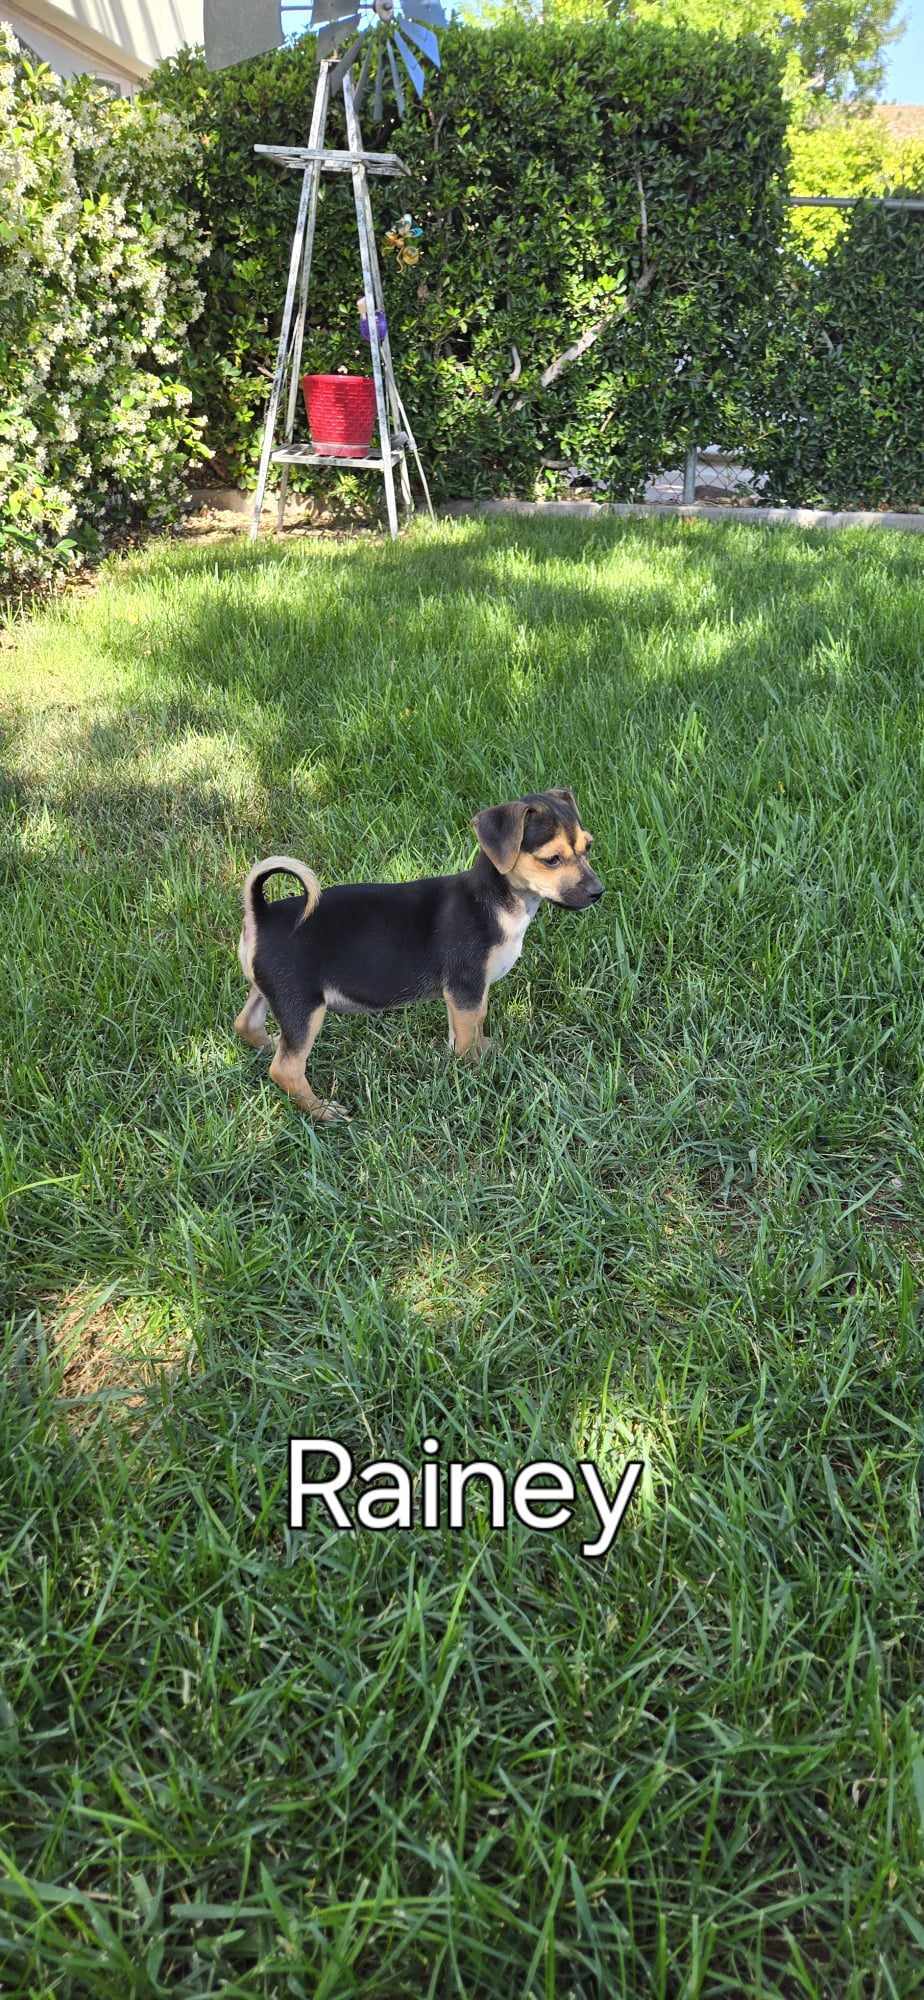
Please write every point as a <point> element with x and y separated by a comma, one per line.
<point>331,1113</point>
<point>256,1038</point>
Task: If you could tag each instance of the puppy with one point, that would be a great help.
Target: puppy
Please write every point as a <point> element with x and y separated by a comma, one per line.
<point>367,946</point>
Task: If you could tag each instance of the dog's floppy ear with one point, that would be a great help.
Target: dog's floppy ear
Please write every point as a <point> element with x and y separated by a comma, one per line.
<point>500,832</point>
<point>564,792</point>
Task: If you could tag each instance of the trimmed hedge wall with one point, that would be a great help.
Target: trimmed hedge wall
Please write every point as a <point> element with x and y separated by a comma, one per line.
<point>554,171</point>
<point>837,417</point>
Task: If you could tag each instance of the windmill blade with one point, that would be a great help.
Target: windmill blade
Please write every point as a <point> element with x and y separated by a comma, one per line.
<point>425,40</point>
<point>362,82</point>
<point>331,39</point>
<point>396,80</point>
<point>410,62</point>
<point>427,11</point>
<point>329,10</point>
<point>346,63</point>
<point>233,32</point>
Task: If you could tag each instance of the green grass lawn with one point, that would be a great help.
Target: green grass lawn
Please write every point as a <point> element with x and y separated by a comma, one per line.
<point>676,1215</point>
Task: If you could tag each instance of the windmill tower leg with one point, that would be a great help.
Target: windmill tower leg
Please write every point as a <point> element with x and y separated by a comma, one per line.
<point>399,413</point>
<point>307,199</point>
<point>369,264</point>
<point>316,138</point>
<point>387,369</point>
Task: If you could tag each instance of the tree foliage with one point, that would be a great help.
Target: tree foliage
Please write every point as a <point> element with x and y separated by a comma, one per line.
<point>834,49</point>
<point>846,155</point>
<point>98,268</point>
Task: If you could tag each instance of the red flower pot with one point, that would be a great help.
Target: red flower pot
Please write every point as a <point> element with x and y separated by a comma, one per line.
<point>341,413</point>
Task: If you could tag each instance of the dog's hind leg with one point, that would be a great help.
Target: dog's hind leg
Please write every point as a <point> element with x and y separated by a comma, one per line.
<point>251,1021</point>
<point>288,1070</point>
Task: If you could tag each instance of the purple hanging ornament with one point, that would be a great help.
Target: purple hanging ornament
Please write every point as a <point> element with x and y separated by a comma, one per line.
<point>381,323</point>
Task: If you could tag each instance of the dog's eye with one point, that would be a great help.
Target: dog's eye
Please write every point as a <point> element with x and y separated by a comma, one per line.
<point>552,860</point>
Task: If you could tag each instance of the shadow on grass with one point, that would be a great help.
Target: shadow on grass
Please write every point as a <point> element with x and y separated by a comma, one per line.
<point>402,671</point>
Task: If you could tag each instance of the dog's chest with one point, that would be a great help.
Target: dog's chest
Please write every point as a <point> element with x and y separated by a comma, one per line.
<point>505,953</point>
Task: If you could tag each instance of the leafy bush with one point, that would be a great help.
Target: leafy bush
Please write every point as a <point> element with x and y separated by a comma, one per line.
<point>620,177</point>
<point>98,263</point>
<point>838,415</point>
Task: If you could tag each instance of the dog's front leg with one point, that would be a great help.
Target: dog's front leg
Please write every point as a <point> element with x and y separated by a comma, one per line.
<point>466,1026</point>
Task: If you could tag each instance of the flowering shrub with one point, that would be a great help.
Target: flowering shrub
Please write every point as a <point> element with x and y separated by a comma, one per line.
<point>98,263</point>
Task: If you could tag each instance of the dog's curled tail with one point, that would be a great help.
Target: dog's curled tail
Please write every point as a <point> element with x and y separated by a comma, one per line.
<point>255,901</point>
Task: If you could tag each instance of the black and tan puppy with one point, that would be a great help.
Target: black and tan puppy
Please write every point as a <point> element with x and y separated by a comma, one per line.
<point>365,947</point>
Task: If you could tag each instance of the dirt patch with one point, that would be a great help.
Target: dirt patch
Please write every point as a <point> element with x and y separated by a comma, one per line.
<point>109,1348</point>
<point>215,512</point>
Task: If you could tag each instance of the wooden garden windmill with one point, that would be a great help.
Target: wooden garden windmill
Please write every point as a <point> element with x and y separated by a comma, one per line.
<point>380,38</point>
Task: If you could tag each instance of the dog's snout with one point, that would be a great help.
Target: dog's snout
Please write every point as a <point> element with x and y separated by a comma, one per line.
<point>593,887</point>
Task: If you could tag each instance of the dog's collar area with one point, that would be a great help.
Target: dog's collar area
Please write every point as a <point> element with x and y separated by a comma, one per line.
<point>501,891</point>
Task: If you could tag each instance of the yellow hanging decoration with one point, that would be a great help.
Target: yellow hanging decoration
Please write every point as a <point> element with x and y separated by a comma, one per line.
<point>404,240</point>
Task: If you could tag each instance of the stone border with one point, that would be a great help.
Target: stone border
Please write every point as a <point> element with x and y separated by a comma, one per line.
<point>232,500</point>
<point>699,510</point>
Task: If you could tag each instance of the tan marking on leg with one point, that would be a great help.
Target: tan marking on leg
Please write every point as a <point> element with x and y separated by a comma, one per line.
<point>288,1070</point>
<point>466,1027</point>
<point>250,1021</point>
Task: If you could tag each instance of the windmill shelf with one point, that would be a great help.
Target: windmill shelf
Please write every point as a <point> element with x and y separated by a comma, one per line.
<point>396,438</point>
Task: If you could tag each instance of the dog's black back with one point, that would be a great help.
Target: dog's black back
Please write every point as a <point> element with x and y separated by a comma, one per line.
<point>370,946</point>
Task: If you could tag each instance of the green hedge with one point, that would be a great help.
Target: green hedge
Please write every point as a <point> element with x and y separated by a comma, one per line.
<point>526,158</point>
<point>837,415</point>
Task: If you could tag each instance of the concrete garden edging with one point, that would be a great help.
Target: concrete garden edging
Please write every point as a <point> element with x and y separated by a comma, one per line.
<point>233,500</point>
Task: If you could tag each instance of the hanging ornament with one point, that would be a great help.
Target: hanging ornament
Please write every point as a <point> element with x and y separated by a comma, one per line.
<point>404,239</point>
<point>381,323</point>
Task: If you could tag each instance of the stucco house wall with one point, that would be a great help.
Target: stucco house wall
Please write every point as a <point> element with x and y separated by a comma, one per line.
<point>117,40</point>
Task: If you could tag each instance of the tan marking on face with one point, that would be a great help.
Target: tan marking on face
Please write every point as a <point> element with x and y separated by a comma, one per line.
<point>560,845</point>
<point>550,884</point>
<point>530,871</point>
